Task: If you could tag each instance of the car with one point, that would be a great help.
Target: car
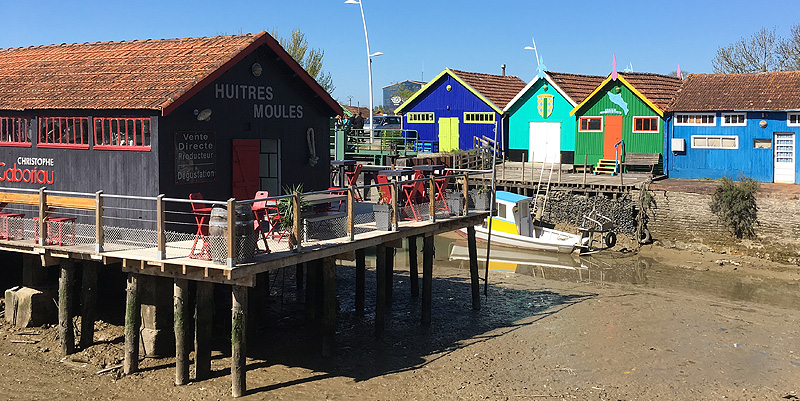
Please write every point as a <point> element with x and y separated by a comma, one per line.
<point>386,122</point>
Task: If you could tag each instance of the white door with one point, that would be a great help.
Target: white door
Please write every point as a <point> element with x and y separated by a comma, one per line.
<point>545,142</point>
<point>784,157</point>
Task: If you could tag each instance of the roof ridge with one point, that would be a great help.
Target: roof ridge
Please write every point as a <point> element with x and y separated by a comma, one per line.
<point>132,41</point>
<point>484,73</point>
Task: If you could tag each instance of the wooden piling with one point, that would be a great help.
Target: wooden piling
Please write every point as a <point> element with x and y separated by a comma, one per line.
<point>66,332</point>
<point>427,278</point>
<point>389,275</point>
<point>380,295</point>
<point>238,340</point>
<point>203,320</point>
<point>361,273</point>
<point>298,281</point>
<point>412,266</point>
<point>473,268</point>
<point>312,282</point>
<point>88,303</point>
<point>329,305</point>
<point>180,293</point>
<point>132,325</point>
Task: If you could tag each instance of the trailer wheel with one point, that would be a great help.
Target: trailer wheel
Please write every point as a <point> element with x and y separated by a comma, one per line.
<point>610,239</point>
<point>645,236</point>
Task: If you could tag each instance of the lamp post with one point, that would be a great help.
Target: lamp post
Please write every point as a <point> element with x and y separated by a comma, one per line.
<point>369,62</point>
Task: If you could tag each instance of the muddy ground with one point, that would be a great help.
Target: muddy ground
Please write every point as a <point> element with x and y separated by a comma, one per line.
<point>678,325</point>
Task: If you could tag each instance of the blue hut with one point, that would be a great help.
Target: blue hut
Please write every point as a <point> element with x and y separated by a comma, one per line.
<point>456,107</point>
<point>730,124</point>
<point>540,126</point>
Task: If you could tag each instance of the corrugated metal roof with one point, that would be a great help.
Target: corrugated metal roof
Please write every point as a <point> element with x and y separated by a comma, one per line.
<point>139,74</point>
<point>779,90</point>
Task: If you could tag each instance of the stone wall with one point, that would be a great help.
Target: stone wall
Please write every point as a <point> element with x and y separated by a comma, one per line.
<point>683,219</point>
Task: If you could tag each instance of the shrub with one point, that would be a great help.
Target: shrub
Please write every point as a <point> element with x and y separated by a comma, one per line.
<point>735,205</point>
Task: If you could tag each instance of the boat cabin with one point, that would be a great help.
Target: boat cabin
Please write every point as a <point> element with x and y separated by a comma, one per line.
<point>513,214</point>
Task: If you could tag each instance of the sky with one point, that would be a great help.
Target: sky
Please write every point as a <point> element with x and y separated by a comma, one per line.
<point>420,38</point>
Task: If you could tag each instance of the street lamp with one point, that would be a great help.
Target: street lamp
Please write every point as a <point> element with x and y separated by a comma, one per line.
<point>369,61</point>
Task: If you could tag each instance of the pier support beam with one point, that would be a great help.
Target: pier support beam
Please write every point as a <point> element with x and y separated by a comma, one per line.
<point>361,275</point>
<point>132,325</point>
<point>389,275</point>
<point>238,341</point>
<point>412,266</point>
<point>203,320</point>
<point>473,268</point>
<point>298,281</point>
<point>427,278</point>
<point>313,290</point>
<point>88,303</point>
<point>180,294</point>
<point>66,332</point>
<point>329,305</point>
<point>380,294</point>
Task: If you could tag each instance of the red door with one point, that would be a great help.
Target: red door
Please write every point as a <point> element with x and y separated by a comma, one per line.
<point>244,173</point>
<point>613,134</point>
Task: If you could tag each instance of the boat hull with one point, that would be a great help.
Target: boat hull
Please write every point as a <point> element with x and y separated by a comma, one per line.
<point>546,240</point>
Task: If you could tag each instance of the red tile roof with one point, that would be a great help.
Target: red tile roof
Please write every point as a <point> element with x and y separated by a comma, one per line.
<point>139,74</point>
<point>658,89</point>
<point>498,89</point>
<point>753,91</point>
<point>576,86</point>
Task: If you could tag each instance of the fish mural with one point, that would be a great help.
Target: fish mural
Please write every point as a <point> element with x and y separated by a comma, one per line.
<point>616,98</point>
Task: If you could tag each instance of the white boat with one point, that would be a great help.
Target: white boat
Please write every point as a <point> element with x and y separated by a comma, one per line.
<point>513,227</point>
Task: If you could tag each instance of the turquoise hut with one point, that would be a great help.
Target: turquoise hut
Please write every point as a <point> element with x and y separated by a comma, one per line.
<point>540,126</point>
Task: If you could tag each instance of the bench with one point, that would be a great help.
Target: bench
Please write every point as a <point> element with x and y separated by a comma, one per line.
<point>641,160</point>
<point>64,230</point>
<point>317,219</point>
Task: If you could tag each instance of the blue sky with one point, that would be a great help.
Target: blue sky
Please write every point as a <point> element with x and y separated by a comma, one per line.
<point>419,38</point>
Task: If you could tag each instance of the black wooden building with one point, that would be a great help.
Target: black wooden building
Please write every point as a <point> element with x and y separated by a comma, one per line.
<point>225,116</point>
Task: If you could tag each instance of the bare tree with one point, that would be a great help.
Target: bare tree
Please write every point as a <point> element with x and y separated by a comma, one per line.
<point>757,53</point>
<point>674,73</point>
<point>789,50</point>
<point>311,60</point>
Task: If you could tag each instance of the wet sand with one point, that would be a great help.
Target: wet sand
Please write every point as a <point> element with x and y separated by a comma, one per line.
<point>664,324</point>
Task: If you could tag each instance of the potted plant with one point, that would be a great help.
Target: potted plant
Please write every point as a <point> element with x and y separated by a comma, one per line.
<point>286,210</point>
<point>481,198</point>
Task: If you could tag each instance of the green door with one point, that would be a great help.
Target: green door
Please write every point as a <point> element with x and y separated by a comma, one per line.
<point>448,134</point>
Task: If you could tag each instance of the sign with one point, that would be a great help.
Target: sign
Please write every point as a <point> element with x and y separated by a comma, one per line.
<point>195,157</point>
<point>29,175</point>
<point>545,105</point>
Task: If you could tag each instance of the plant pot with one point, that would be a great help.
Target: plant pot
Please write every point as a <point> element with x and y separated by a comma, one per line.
<point>481,199</point>
<point>383,217</point>
<point>455,202</point>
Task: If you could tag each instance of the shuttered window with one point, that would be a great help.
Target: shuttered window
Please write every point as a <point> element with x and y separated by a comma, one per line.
<point>63,132</point>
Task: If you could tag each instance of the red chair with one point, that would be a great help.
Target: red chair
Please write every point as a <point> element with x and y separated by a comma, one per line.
<point>414,193</point>
<point>267,211</point>
<point>352,177</point>
<point>201,215</point>
<point>261,213</point>
<point>383,189</point>
<point>441,188</point>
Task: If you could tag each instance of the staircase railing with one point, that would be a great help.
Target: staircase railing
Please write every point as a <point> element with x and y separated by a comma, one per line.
<point>619,148</point>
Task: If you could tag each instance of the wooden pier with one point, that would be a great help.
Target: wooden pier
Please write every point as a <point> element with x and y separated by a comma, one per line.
<point>160,252</point>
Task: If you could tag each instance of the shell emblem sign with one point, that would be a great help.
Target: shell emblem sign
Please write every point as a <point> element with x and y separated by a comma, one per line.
<point>545,105</point>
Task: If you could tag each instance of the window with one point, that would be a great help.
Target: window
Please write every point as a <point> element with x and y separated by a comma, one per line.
<point>695,119</point>
<point>591,124</point>
<point>645,124</point>
<point>793,119</point>
<point>14,131</point>
<point>420,118</point>
<point>715,142</point>
<point>64,132</point>
<point>479,118</point>
<point>762,143</point>
<point>122,133</point>
<point>734,119</point>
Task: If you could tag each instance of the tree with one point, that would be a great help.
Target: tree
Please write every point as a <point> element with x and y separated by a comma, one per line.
<point>674,73</point>
<point>789,49</point>
<point>763,51</point>
<point>311,61</point>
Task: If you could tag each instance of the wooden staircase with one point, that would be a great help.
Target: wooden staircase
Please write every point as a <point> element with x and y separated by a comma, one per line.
<point>606,166</point>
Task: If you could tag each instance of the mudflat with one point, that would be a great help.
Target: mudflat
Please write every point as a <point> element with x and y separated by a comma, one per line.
<point>665,324</point>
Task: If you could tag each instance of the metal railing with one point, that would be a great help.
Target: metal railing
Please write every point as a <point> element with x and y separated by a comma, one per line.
<point>225,232</point>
